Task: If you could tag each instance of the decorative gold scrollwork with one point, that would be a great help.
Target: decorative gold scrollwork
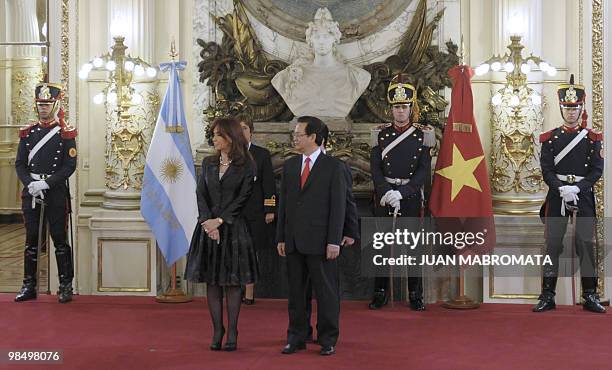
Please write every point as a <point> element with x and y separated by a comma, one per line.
<point>126,140</point>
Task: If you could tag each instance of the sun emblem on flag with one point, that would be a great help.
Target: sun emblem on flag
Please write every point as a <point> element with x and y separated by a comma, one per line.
<point>171,170</point>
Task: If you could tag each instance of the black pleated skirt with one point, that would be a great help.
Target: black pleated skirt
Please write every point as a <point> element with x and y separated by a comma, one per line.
<point>230,262</point>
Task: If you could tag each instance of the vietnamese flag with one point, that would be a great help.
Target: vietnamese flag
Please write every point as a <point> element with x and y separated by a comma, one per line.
<point>461,191</point>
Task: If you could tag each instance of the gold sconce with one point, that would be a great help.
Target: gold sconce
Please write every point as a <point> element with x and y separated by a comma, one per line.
<point>516,68</point>
<point>122,68</point>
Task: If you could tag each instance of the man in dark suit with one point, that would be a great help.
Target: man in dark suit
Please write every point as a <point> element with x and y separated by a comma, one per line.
<point>260,207</point>
<point>351,227</point>
<point>309,232</point>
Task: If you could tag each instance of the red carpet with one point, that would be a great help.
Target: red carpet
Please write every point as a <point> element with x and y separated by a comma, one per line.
<point>137,333</point>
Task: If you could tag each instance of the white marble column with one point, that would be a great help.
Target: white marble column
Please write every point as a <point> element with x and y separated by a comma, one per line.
<point>20,71</point>
<point>26,66</point>
<point>135,20</point>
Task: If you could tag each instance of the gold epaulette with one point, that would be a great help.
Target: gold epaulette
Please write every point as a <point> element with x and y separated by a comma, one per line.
<point>270,202</point>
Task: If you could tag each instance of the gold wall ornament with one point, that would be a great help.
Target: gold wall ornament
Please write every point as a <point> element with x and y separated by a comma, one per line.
<point>239,72</point>
<point>515,151</point>
<point>126,141</point>
<point>24,78</point>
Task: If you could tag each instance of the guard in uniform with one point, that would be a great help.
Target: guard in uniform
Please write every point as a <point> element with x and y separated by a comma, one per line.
<point>46,158</point>
<point>400,165</point>
<point>571,162</point>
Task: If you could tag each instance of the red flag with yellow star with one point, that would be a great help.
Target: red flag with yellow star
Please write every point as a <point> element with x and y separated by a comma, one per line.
<point>460,186</point>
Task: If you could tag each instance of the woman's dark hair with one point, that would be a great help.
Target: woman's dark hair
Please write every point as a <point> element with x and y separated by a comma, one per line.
<point>230,130</point>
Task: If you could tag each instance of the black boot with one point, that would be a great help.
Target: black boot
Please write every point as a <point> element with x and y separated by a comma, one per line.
<point>591,298</point>
<point>379,300</point>
<point>591,303</point>
<point>28,290</point>
<point>547,298</point>
<point>415,293</point>
<point>416,301</point>
<point>65,270</point>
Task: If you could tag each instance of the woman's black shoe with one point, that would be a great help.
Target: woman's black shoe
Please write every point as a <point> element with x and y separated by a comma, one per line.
<point>216,343</point>
<point>248,301</point>
<point>231,346</point>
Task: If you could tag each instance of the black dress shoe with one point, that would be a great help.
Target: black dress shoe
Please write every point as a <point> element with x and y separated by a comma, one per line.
<point>293,348</point>
<point>216,342</point>
<point>417,305</point>
<point>26,293</point>
<point>328,350</point>
<point>591,303</point>
<point>546,303</point>
<point>379,300</point>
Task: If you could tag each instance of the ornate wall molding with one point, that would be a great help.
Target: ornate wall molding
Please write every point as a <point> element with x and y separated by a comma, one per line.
<point>598,121</point>
<point>65,55</point>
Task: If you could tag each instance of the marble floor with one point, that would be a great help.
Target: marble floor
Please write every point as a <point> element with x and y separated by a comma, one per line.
<point>12,237</point>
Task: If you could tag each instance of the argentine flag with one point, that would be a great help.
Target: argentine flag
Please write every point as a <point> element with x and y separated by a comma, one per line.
<point>168,200</point>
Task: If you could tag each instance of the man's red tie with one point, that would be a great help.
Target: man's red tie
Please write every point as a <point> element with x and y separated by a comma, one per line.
<point>305,172</point>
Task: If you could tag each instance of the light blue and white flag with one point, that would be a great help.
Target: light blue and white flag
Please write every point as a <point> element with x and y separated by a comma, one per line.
<point>168,202</point>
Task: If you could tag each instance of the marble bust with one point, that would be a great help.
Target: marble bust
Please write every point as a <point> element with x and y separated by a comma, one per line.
<point>320,83</point>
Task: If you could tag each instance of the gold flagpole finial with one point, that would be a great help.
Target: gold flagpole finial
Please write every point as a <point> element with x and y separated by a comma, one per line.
<point>173,54</point>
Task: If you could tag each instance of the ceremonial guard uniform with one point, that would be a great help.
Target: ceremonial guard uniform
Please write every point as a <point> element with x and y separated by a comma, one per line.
<point>46,158</point>
<point>571,162</point>
<point>400,165</point>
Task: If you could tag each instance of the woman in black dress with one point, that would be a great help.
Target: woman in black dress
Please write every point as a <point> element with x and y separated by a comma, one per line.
<point>221,252</point>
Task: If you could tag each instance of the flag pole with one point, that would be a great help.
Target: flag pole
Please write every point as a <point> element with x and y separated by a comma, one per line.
<point>174,294</point>
<point>461,301</point>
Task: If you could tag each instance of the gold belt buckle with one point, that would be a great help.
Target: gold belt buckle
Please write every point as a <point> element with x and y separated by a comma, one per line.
<point>571,179</point>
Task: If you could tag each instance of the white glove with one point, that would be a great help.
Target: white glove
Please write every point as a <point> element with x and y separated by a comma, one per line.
<point>573,189</point>
<point>394,196</point>
<point>36,187</point>
<point>385,198</point>
<point>570,197</point>
<point>395,203</point>
<point>568,189</point>
<point>38,194</point>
